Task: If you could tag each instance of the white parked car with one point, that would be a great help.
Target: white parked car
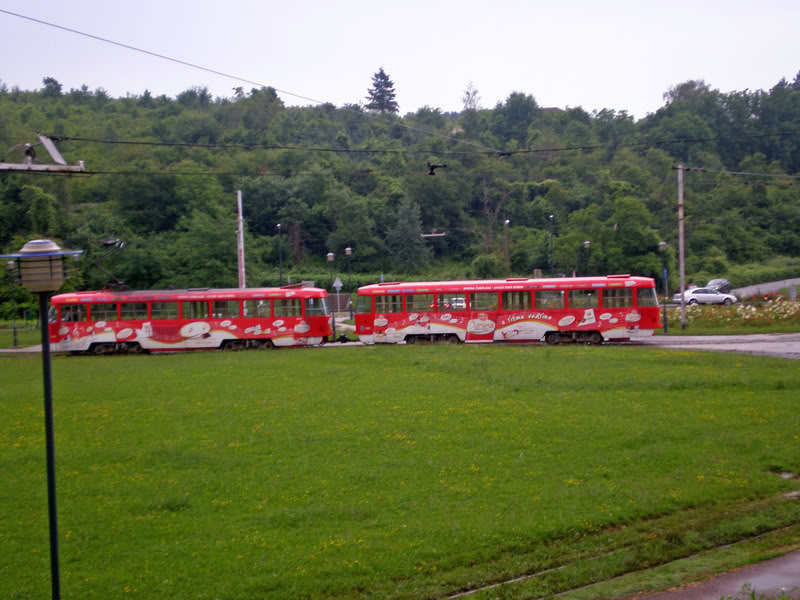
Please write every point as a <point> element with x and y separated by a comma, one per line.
<point>704,296</point>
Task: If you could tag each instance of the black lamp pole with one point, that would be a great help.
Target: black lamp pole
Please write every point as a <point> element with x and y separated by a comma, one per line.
<point>50,446</point>
<point>40,264</point>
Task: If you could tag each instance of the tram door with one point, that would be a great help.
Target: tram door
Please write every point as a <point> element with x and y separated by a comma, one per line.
<point>482,316</point>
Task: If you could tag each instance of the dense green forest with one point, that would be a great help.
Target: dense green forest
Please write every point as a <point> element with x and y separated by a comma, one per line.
<point>516,187</point>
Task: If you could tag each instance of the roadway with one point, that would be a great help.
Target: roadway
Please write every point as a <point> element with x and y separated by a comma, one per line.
<point>780,345</point>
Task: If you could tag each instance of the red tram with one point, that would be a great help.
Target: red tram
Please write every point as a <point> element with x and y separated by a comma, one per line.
<point>583,309</point>
<point>194,319</point>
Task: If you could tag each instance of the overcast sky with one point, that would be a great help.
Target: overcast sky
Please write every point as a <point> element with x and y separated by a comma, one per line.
<point>619,54</point>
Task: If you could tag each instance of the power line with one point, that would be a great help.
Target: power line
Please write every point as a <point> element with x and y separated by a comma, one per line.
<point>211,146</point>
<point>743,173</point>
<point>651,143</point>
<point>234,77</point>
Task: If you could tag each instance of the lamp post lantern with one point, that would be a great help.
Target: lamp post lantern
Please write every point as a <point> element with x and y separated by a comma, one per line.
<point>662,248</point>
<point>280,257</point>
<point>40,264</point>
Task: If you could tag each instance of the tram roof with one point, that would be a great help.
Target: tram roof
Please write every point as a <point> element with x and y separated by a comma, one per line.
<point>112,295</point>
<point>510,284</point>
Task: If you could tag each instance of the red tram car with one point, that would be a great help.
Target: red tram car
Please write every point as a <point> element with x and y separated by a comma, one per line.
<point>583,309</point>
<point>194,319</point>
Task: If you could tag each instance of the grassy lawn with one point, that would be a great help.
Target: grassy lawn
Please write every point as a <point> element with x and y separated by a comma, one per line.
<point>771,316</point>
<point>396,472</point>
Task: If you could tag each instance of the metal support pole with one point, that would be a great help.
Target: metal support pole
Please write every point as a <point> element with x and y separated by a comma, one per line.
<point>681,258</point>
<point>50,448</point>
<point>280,257</point>
<point>240,241</point>
<point>552,248</point>
<point>666,293</point>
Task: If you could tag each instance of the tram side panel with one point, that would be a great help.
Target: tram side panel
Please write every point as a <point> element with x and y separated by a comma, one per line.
<point>202,325</point>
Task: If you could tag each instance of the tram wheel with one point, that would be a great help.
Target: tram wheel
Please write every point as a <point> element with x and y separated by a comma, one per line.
<point>267,345</point>
<point>452,339</point>
<point>552,338</point>
<point>411,339</point>
<point>595,338</point>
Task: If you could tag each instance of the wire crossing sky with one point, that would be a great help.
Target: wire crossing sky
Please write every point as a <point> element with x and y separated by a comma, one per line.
<point>618,54</point>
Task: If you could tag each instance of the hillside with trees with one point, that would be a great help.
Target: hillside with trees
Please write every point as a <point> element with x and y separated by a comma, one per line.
<point>516,187</point>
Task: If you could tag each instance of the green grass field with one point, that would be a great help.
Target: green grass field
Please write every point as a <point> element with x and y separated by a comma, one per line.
<point>394,472</point>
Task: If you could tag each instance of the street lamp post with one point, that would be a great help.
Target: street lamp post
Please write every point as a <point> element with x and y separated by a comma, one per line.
<point>333,312</point>
<point>552,248</point>
<point>348,253</point>
<point>587,246</point>
<point>41,269</point>
<point>662,248</point>
<point>506,223</point>
<point>280,257</point>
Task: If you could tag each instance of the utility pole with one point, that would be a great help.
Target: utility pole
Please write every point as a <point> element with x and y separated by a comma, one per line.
<point>240,241</point>
<point>28,166</point>
<point>681,250</point>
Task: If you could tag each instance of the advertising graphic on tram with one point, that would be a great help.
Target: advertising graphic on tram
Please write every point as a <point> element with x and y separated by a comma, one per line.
<point>167,320</point>
<point>586,309</point>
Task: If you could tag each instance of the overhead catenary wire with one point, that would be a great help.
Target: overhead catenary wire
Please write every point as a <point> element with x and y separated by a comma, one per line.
<point>230,76</point>
<point>213,146</point>
<point>739,173</point>
<point>651,143</point>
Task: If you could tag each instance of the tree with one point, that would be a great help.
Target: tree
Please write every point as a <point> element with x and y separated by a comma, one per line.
<point>471,99</point>
<point>406,245</point>
<point>381,95</point>
<point>51,89</point>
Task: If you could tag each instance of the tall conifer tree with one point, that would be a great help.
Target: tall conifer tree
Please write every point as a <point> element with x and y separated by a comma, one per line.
<point>381,95</point>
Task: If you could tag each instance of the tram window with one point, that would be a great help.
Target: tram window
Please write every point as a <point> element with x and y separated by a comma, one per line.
<point>364,305</point>
<point>222,309</point>
<point>73,313</point>
<point>316,307</point>
<point>163,311</point>
<point>256,308</point>
<point>392,303</point>
<point>419,302</point>
<point>104,312</point>
<point>483,301</point>
<point>646,297</point>
<point>516,300</point>
<point>452,303</point>
<point>549,299</point>
<point>617,297</point>
<point>583,299</point>
<point>194,310</point>
<point>133,311</point>
<point>288,307</point>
